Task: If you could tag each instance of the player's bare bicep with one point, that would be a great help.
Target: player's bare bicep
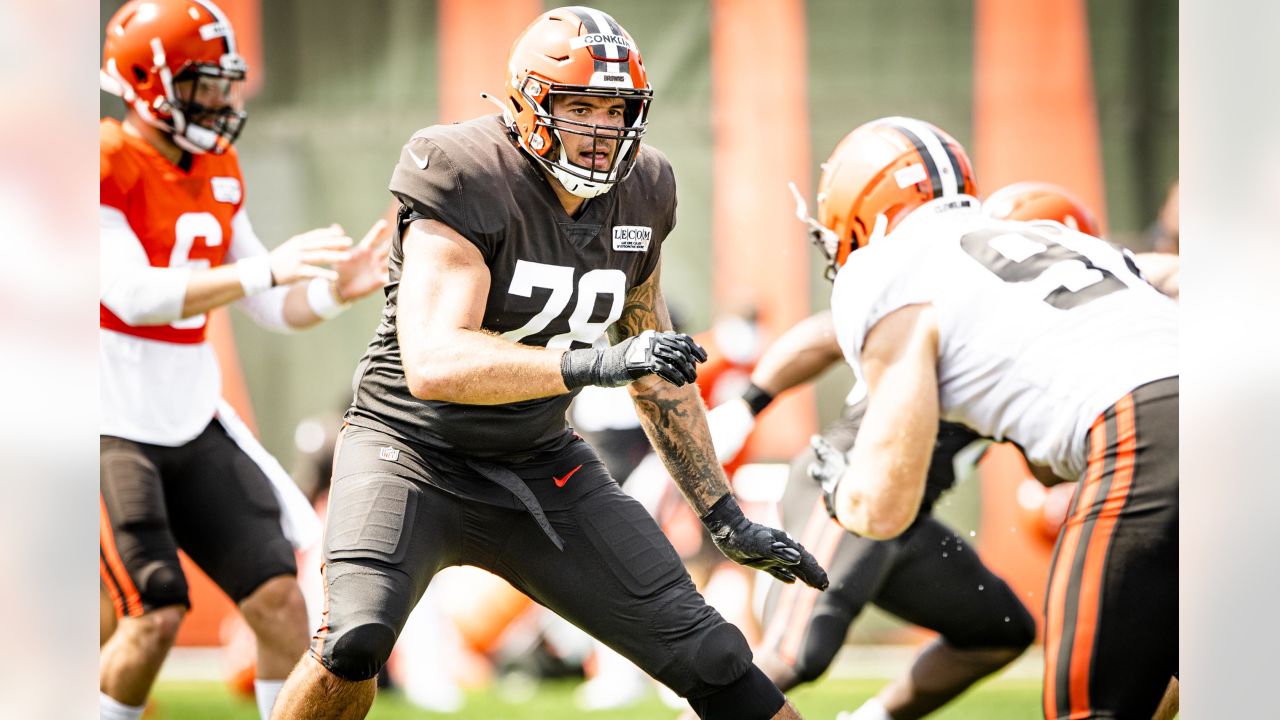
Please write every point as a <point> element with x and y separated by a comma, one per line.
<point>905,337</point>
<point>444,281</point>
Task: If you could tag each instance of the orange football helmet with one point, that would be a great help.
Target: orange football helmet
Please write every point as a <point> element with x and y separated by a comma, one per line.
<point>878,174</point>
<point>175,63</point>
<point>576,51</point>
<point>1041,201</point>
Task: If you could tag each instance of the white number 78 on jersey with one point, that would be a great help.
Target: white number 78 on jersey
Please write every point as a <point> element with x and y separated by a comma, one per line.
<point>559,280</point>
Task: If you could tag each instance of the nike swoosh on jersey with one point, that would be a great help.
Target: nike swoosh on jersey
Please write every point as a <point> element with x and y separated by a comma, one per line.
<point>421,162</point>
<point>560,481</point>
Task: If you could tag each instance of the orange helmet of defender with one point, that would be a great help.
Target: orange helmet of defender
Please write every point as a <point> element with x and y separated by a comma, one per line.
<point>1041,201</point>
<point>878,174</point>
<point>175,62</point>
<point>576,51</point>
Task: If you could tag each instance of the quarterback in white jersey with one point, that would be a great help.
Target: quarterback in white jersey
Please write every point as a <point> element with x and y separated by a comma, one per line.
<point>1023,331</point>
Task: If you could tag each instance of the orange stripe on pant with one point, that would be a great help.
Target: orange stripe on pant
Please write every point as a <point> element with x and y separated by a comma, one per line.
<point>1059,578</point>
<point>1090,588</point>
<point>109,582</point>
<point>132,600</point>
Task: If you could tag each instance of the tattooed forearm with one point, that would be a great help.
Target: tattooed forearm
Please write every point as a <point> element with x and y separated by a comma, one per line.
<point>675,421</point>
<point>674,418</point>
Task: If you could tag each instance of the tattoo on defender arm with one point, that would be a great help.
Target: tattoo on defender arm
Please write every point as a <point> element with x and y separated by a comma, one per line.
<point>673,418</point>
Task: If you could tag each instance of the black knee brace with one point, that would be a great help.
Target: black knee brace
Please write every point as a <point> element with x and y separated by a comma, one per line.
<point>161,584</point>
<point>750,697</point>
<point>358,653</point>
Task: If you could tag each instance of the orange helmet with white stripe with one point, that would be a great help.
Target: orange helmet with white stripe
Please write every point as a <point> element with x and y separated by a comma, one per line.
<point>576,51</point>
<point>878,174</point>
<point>175,62</point>
<point>1041,201</point>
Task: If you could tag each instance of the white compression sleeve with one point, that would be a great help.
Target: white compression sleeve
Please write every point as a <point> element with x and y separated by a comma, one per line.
<point>266,308</point>
<point>137,292</point>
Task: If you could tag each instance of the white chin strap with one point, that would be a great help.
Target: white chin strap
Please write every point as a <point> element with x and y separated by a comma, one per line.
<point>577,186</point>
<point>196,139</point>
<point>574,184</point>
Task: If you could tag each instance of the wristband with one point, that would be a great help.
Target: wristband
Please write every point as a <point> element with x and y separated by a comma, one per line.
<point>255,274</point>
<point>579,368</point>
<point>723,513</point>
<point>757,398</point>
<point>320,298</point>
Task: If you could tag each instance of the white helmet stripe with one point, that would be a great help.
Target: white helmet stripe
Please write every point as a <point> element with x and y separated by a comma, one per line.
<point>221,17</point>
<point>612,52</point>
<point>949,172</point>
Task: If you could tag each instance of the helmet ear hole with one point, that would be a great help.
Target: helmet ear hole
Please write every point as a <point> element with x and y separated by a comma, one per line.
<point>858,230</point>
<point>139,74</point>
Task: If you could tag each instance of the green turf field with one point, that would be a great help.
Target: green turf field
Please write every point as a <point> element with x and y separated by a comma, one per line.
<point>998,699</point>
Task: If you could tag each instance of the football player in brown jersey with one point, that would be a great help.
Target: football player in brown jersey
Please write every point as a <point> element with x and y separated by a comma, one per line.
<point>524,238</point>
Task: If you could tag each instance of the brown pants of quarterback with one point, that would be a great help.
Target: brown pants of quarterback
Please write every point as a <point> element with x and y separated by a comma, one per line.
<point>1111,611</point>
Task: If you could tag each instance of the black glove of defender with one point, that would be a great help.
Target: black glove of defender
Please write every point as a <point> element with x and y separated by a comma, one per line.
<point>669,355</point>
<point>761,547</point>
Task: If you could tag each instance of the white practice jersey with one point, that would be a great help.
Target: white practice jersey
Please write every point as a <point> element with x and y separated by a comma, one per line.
<point>1041,328</point>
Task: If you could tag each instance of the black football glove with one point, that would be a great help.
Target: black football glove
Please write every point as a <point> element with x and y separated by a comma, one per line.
<point>671,356</point>
<point>827,468</point>
<point>761,547</point>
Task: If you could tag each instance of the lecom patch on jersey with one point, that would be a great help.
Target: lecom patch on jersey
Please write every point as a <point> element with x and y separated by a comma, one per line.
<point>226,189</point>
<point>632,238</point>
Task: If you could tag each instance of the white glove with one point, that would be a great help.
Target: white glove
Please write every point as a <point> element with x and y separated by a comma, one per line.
<point>731,424</point>
<point>827,468</point>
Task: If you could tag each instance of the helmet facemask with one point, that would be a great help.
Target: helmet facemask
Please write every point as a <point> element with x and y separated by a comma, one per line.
<point>823,237</point>
<point>175,64</point>
<point>545,143</point>
<point>207,108</point>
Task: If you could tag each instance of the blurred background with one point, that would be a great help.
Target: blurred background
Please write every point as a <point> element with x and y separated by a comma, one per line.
<point>749,95</point>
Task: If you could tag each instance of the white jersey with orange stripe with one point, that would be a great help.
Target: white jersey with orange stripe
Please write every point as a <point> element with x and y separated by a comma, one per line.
<point>1041,328</point>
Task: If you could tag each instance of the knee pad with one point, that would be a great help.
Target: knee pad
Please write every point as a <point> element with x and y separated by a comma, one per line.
<point>162,584</point>
<point>721,658</point>
<point>357,653</point>
<point>750,697</point>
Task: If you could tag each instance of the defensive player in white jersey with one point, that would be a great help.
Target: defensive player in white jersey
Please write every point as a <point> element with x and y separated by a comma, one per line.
<point>1023,331</point>
<point>178,470</point>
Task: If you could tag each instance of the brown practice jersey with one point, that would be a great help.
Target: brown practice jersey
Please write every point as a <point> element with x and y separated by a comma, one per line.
<point>555,281</point>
